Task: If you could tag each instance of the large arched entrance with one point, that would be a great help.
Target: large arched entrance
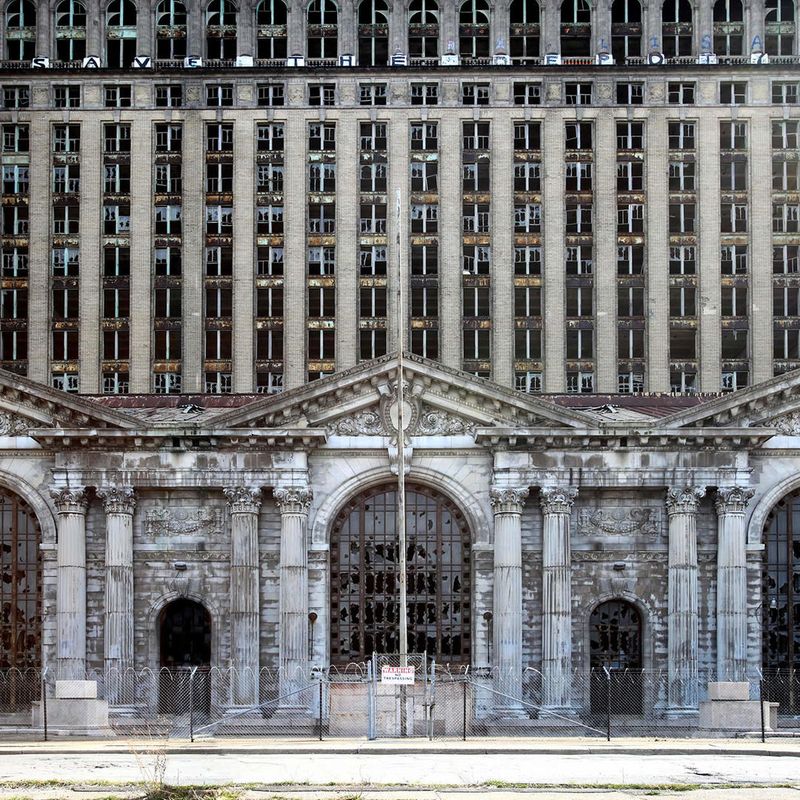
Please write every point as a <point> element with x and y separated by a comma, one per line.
<point>185,644</point>
<point>615,658</point>
<point>364,577</point>
<point>20,602</point>
<point>780,651</point>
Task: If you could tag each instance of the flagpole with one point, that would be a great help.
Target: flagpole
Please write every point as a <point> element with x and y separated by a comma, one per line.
<point>401,455</point>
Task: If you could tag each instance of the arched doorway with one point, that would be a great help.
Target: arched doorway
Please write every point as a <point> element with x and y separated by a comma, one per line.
<point>20,601</point>
<point>780,651</point>
<point>364,572</point>
<point>615,658</point>
<point>185,644</point>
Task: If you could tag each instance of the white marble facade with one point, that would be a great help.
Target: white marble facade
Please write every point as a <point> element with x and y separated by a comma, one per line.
<point>660,501</point>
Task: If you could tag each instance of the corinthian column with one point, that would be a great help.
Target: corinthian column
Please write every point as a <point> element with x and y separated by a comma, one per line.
<point>293,503</point>
<point>507,505</point>
<point>682,503</point>
<point>556,505</point>
<point>119,503</point>
<point>731,502</point>
<point>71,505</point>
<point>244,503</point>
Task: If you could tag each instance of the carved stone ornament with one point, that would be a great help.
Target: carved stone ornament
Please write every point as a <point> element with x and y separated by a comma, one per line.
<point>508,499</point>
<point>180,585</point>
<point>435,422</point>
<point>243,499</point>
<point>70,500</point>
<point>12,425</point>
<point>557,499</point>
<point>786,424</point>
<point>732,499</point>
<point>117,499</point>
<point>684,499</point>
<point>620,521</point>
<point>164,521</point>
<point>362,423</point>
<point>293,499</point>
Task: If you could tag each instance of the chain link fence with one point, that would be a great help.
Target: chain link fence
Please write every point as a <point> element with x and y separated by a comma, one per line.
<point>373,701</point>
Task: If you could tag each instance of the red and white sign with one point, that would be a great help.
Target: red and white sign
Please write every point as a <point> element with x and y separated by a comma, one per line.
<point>397,675</point>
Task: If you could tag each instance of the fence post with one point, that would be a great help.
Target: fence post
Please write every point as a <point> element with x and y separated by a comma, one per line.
<point>191,704</point>
<point>44,702</point>
<point>608,704</point>
<point>464,713</point>
<point>320,709</point>
<point>761,707</point>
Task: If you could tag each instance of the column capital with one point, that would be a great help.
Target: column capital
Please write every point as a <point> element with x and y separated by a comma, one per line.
<point>732,499</point>
<point>557,499</point>
<point>508,499</point>
<point>243,499</point>
<point>117,499</point>
<point>683,499</point>
<point>69,500</point>
<point>293,499</point>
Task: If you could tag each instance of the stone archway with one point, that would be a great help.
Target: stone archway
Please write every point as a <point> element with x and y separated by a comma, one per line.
<point>364,585</point>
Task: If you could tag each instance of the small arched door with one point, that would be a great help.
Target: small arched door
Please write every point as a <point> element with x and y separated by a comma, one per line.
<point>185,644</point>
<point>615,658</point>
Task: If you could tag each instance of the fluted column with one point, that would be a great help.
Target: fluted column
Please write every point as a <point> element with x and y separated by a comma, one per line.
<point>71,505</point>
<point>293,503</point>
<point>244,503</point>
<point>556,502</point>
<point>507,504</point>
<point>682,504</point>
<point>731,502</point>
<point>119,503</point>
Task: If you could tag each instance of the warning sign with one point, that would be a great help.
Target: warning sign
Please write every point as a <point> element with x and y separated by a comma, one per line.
<point>397,675</point>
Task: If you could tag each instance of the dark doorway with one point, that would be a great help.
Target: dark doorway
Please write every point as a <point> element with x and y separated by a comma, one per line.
<point>185,644</point>
<point>616,658</point>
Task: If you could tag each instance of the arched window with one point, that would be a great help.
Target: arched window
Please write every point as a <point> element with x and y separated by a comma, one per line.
<point>677,29</point>
<point>373,33</point>
<point>423,29</point>
<point>221,30</point>
<point>120,33</point>
<point>70,30</point>
<point>271,29</point>
<point>20,585</point>
<point>780,652</point>
<point>20,30</point>
<point>170,30</point>
<point>626,29</point>
<point>576,28</point>
<point>323,29</point>
<point>525,30</point>
<point>728,27</point>
<point>780,27</point>
<point>364,588</point>
<point>473,29</point>
<point>615,644</point>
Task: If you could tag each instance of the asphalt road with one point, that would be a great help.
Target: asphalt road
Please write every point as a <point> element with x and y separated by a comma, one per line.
<point>459,769</point>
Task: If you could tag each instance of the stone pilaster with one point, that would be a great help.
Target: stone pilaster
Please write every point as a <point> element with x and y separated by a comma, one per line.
<point>556,503</point>
<point>293,503</point>
<point>507,504</point>
<point>119,503</point>
<point>731,502</point>
<point>71,505</point>
<point>682,504</point>
<point>244,503</point>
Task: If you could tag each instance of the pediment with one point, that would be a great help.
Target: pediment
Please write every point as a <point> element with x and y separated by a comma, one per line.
<point>26,405</point>
<point>444,402</point>
<point>774,403</point>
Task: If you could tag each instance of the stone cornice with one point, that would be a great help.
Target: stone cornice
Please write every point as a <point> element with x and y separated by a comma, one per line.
<point>683,499</point>
<point>117,499</point>
<point>732,499</point>
<point>293,499</point>
<point>557,499</point>
<point>69,500</point>
<point>243,499</point>
<point>507,499</point>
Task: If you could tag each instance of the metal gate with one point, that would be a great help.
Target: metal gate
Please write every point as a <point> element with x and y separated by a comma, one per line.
<point>399,710</point>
